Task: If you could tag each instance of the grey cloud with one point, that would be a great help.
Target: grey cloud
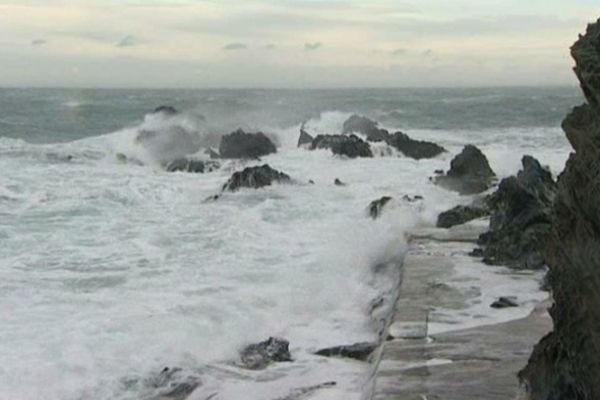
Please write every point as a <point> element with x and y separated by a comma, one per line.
<point>235,46</point>
<point>312,46</point>
<point>127,41</point>
<point>38,42</point>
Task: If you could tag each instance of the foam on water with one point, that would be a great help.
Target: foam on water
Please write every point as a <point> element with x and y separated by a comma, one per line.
<point>113,271</point>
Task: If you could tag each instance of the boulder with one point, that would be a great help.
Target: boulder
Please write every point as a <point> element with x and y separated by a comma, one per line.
<point>520,219</point>
<point>337,182</point>
<point>376,206</point>
<point>191,165</point>
<point>504,302</point>
<point>304,139</point>
<point>350,146</point>
<point>255,177</point>
<point>469,172</point>
<point>564,364</point>
<point>366,127</point>
<point>240,144</point>
<point>460,215</point>
<point>260,355</point>
<point>357,351</point>
<point>417,149</point>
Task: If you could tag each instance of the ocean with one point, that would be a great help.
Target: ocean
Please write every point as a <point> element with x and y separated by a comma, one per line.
<point>112,270</point>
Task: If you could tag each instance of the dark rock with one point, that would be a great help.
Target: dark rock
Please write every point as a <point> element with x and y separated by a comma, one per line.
<point>167,110</point>
<point>564,365</point>
<point>477,252</point>
<point>172,385</point>
<point>412,199</point>
<point>469,172</point>
<point>311,181</point>
<point>520,220</point>
<point>337,182</point>
<point>376,206</point>
<point>212,153</point>
<point>190,165</point>
<point>417,149</point>
<point>255,177</point>
<point>504,302</point>
<point>365,126</point>
<point>305,138</point>
<point>357,351</point>
<point>460,215</point>
<point>240,144</point>
<point>350,146</point>
<point>260,355</point>
<point>439,172</point>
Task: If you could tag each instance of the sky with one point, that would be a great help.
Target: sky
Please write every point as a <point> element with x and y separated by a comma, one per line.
<point>289,43</point>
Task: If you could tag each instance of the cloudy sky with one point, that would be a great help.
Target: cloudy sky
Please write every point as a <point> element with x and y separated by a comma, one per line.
<point>289,43</point>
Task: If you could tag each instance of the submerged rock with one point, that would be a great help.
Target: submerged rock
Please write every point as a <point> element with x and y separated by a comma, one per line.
<point>255,177</point>
<point>260,355</point>
<point>469,172</point>
<point>167,110</point>
<point>504,302</point>
<point>240,144</point>
<point>564,365</point>
<point>350,146</point>
<point>417,149</point>
<point>376,206</point>
<point>191,165</point>
<point>357,351</point>
<point>520,220</point>
<point>460,215</point>
<point>304,138</point>
<point>365,126</point>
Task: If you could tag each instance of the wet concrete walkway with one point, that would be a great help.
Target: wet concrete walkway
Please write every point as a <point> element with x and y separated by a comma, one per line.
<point>480,362</point>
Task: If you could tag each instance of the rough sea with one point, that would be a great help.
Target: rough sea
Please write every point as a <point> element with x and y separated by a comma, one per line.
<point>111,270</point>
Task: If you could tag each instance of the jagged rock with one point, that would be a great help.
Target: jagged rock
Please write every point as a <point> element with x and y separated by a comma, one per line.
<point>365,126</point>
<point>304,139</point>
<point>417,149</point>
<point>564,365</point>
<point>469,173</point>
<point>376,206</point>
<point>460,215</point>
<point>255,177</point>
<point>240,144</point>
<point>351,146</point>
<point>357,351</point>
<point>504,302</point>
<point>520,220</point>
<point>260,355</point>
<point>191,165</point>
<point>167,110</point>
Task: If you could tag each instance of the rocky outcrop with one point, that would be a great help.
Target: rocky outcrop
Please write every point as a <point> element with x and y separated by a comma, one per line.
<point>191,165</point>
<point>357,351</point>
<point>504,302</point>
<point>566,363</point>
<point>304,138</point>
<point>417,149</point>
<point>260,355</point>
<point>376,207</point>
<point>366,127</point>
<point>350,146</point>
<point>469,172</point>
<point>520,220</point>
<point>240,144</point>
<point>255,177</point>
<point>460,215</point>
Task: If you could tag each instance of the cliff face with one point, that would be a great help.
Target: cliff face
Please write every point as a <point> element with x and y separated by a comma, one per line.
<point>566,363</point>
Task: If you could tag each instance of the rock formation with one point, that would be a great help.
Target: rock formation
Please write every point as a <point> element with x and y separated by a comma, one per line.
<point>240,144</point>
<point>520,220</point>
<point>566,363</point>
<point>417,149</point>
<point>255,177</point>
<point>260,355</point>
<point>350,146</point>
<point>357,351</point>
<point>191,165</point>
<point>460,215</point>
<point>469,172</point>
<point>366,127</point>
<point>304,138</point>
<point>376,206</point>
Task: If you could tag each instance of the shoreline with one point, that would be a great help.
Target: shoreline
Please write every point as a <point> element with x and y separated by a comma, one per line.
<point>426,357</point>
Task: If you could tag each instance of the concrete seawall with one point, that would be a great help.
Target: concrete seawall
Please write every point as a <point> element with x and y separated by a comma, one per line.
<point>425,357</point>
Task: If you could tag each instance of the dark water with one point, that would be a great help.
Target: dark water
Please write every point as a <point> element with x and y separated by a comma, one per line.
<point>59,115</point>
